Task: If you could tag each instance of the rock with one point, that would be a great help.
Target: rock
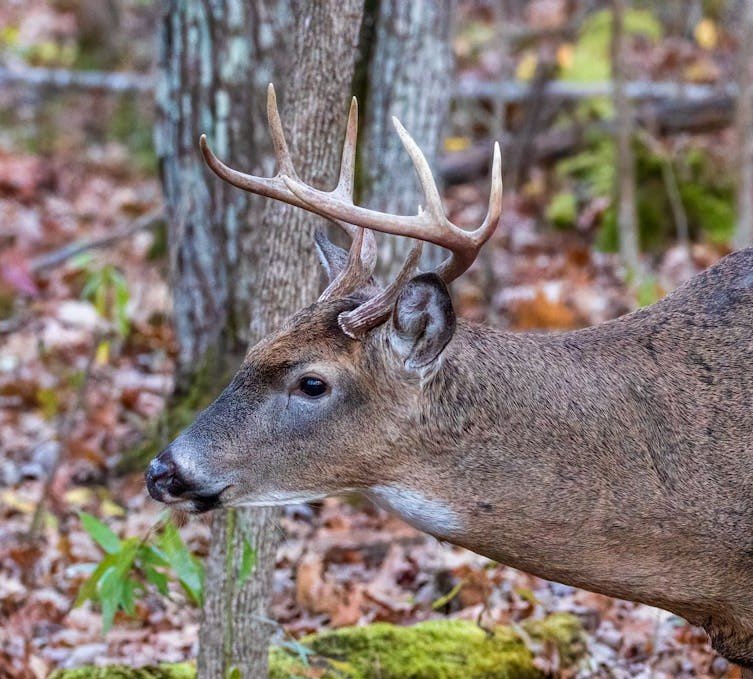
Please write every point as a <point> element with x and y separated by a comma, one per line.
<point>452,649</point>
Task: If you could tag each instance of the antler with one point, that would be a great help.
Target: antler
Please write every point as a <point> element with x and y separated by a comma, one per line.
<point>430,225</point>
<point>275,187</point>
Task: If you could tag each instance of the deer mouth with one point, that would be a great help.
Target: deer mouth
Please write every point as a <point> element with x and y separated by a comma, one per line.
<point>193,502</point>
<point>199,504</point>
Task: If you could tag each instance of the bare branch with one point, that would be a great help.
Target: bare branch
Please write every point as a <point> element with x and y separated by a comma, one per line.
<point>55,258</point>
<point>64,79</point>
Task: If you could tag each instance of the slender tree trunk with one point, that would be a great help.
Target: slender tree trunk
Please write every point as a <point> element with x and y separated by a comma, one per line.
<point>211,226</point>
<point>409,74</point>
<point>314,111</point>
<point>215,61</point>
<point>627,219</point>
<point>236,275</point>
<point>744,128</point>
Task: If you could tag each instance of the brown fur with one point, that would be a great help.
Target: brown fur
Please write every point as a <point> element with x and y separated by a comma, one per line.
<point>616,458</point>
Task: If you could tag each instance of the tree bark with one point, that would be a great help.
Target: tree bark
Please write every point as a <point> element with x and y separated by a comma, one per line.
<point>744,129</point>
<point>409,74</point>
<point>278,279</point>
<point>627,219</point>
<point>234,275</point>
<point>215,61</point>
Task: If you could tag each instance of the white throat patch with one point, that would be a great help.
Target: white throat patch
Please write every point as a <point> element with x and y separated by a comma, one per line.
<point>431,516</point>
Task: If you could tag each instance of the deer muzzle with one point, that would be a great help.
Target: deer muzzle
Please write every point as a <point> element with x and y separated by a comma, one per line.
<point>167,482</point>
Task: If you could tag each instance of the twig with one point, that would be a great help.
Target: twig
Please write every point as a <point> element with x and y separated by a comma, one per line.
<point>60,78</point>
<point>64,433</point>
<point>513,91</point>
<point>670,183</point>
<point>57,257</point>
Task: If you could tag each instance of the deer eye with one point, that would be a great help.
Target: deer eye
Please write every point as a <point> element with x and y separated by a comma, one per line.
<point>313,387</point>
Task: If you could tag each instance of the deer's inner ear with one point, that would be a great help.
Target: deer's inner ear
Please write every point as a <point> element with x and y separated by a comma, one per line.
<point>332,257</point>
<point>423,321</point>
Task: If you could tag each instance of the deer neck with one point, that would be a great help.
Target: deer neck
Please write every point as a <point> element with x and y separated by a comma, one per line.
<point>522,457</point>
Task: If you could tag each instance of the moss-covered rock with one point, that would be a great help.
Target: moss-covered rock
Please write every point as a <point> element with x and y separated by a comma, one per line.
<point>184,670</point>
<point>437,649</point>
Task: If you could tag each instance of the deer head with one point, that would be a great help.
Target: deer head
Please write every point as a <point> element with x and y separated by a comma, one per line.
<point>334,399</point>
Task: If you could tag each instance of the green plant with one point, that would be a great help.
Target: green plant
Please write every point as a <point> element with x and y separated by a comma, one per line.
<point>107,289</point>
<point>591,59</point>
<point>704,185</point>
<point>131,565</point>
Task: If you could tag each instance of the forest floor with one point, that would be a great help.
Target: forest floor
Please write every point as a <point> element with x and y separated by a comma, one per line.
<point>343,561</point>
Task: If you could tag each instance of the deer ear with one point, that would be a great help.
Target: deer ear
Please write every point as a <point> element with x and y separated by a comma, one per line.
<point>332,257</point>
<point>423,321</point>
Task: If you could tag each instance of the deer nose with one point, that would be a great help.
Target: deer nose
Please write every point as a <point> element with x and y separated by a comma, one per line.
<point>163,478</point>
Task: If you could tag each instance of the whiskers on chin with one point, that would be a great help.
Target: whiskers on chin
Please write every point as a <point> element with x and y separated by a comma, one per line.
<point>275,499</point>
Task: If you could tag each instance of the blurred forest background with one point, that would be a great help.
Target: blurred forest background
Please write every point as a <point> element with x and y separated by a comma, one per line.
<point>628,164</point>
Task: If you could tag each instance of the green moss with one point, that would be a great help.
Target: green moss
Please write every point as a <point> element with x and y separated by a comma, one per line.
<point>705,185</point>
<point>437,649</point>
<point>184,670</point>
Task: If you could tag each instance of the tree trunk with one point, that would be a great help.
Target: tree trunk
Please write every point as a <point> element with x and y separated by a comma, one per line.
<point>744,129</point>
<point>216,60</point>
<point>627,220</point>
<point>287,278</point>
<point>409,74</point>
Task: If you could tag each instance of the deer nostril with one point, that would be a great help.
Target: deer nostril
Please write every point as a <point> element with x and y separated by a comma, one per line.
<point>161,467</point>
<point>163,478</point>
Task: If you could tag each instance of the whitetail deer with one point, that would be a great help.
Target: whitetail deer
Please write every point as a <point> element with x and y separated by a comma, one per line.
<point>617,458</point>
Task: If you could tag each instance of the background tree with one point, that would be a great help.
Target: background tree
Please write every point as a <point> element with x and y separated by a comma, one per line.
<point>627,217</point>
<point>744,126</point>
<point>409,74</point>
<point>215,63</point>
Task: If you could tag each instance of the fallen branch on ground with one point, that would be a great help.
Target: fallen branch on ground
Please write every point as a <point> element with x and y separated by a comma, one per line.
<point>61,78</point>
<point>52,259</point>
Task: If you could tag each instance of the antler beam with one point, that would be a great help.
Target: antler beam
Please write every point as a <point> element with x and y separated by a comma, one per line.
<point>430,225</point>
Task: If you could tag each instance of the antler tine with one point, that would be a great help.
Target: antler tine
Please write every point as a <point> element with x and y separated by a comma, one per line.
<point>348,159</point>
<point>425,177</point>
<point>357,322</point>
<point>354,275</point>
<point>345,184</point>
<point>284,161</point>
<point>431,226</point>
<point>456,264</point>
<point>274,187</point>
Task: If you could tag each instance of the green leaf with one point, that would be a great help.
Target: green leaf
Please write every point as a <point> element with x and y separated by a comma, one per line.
<point>82,260</point>
<point>152,555</point>
<point>89,588</point>
<point>189,570</point>
<point>248,561</point>
<point>159,580</point>
<point>100,533</point>
<point>92,284</point>
<point>121,303</point>
<point>445,599</point>
<point>563,209</point>
<point>303,652</point>
<point>127,596</point>
<point>109,592</point>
